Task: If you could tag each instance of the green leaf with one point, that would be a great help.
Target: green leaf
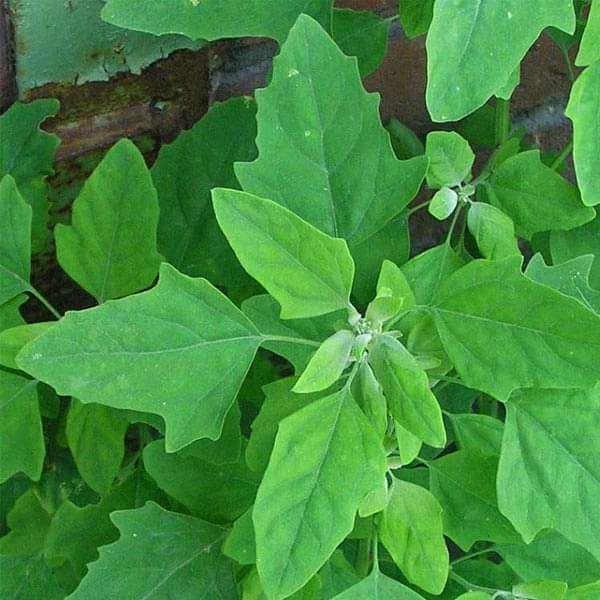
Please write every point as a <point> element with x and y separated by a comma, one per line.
<point>184,174</point>
<point>589,50</point>
<point>305,270</point>
<point>10,315</point>
<point>540,590</point>
<point>411,530</point>
<point>541,337</point>
<point>327,364</point>
<point>21,438</point>
<point>583,110</point>
<point>13,339</point>
<point>570,278</point>
<point>362,34</point>
<point>185,348</point>
<point>323,152</point>
<point>586,592</point>
<point>551,556</point>
<point>110,247</point>
<point>450,159</point>
<point>477,433</point>
<point>95,435</point>
<point>494,231</point>
<point>545,457</point>
<point>369,396</point>
<point>378,586</point>
<point>264,311</point>
<point>175,556</point>
<point>406,388</point>
<point>27,154</point>
<point>416,16</point>
<point>475,596</point>
<point>280,402</point>
<point>392,279</point>
<point>405,142</point>
<point>443,203</point>
<point>427,271</point>
<point>465,66</point>
<point>15,241</point>
<point>409,445</point>
<point>337,575</point>
<point>535,197</point>
<point>566,245</point>
<point>241,542</point>
<point>214,492</point>
<point>215,19</point>
<point>465,485</point>
<point>28,578</point>
<point>304,507</point>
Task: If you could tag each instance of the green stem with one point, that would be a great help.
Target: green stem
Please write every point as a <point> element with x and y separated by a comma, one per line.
<point>418,207</point>
<point>503,123</point>
<point>564,154</point>
<point>38,295</point>
<point>471,587</point>
<point>452,228</point>
<point>291,340</point>
<point>570,70</point>
<point>473,555</point>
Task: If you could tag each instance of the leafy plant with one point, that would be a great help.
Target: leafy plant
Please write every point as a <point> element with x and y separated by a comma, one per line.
<point>334,420</point>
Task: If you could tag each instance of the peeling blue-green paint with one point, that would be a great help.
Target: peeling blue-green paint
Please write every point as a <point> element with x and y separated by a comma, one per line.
<point>66,41</point>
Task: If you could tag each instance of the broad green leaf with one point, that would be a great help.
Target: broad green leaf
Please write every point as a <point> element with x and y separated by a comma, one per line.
<point>214,492</point>
<point>450,159</point>
<point>160,555</point>
<point>323,152</point>
<point>494,231</point>
<point>362,34</point>
<point>378,586</point>
<point>551,556</point>
<point>541,337</point>
<point>337,575</point>
<point>586,592</point>
<point>589,50</point>
<point>95,435</point>
<point>369,396</point>
<point>304,507</point>
<point>570,278</point>
<point>566,245</point>
<point>535,197</point>
<point>415,16</point>
<point>264,311</point>
<point>28,578</point>
<point>13,339</point>
<point>241,543</point>
<point>406,388</point>
<point>393,279</point>
<point>409,445</point>
<point>465,65</point>
<point>305,270</point>
<point>475,596</point>
<point>583,109</point>
<point>15,241</point>
<point>184,174</point>
<point>10,315</point>
<point>185,348</point>
<point>411,530</point>
<point>280,402</point>
<point>540,590</point>
<point>405,142</point>
<point>21,437</point>
<point>546,456</point>
<point>110,247</point>
<point>427,271</point>
<point>477,433</point>
<point>27,154</point>
<point>464,483</point>
<point>215,19</point>
<point>327,364</point>
<point>443,203</point>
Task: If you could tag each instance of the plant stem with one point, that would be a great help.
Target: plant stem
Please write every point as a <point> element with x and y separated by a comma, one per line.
<point>292,340</point>
<point>570,70</point>
<point>471,587</point>
<point>452,228</point>
<point>564,154</point>
<point>38,295</point>
<point>474,554</point>
<point>418,207</point>
<point>503,123</point>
